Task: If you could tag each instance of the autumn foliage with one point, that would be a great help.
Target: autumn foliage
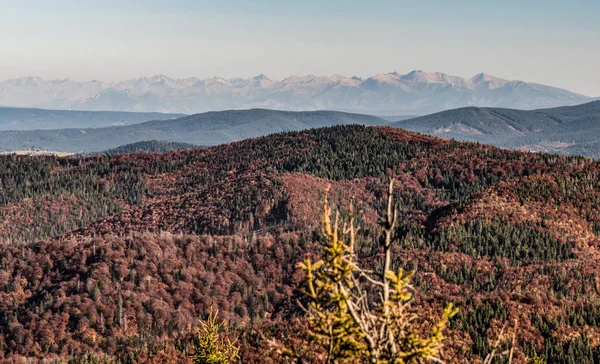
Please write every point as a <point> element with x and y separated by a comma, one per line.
<point>116,258</point>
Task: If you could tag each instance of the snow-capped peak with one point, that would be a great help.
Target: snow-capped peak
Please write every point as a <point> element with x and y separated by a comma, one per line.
<point>27,81</point>
<point>384,92</point>
<point>431,77</point>
<point>483,77</point>
<point>261,77</point>
<point>487,81</point>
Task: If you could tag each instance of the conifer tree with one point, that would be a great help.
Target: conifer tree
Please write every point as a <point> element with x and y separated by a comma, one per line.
<point>209,346</point>
<point>358,315</point>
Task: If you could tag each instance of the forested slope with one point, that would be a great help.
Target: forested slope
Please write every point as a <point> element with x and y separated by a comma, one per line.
<point>13,118</point>
<point>117,257</point>
<point>208,128</point>
<point>150,146</point>
<point>568,130</point>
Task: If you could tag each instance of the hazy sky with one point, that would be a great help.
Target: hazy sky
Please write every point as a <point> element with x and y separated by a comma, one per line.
<point>550,42</point>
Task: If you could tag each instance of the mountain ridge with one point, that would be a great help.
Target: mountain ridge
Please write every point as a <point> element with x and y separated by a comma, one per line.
<point>417,92</point>
<point>150,146</point>
<point>15,118</point>
<point>569,130</point>
<point>210,128</point>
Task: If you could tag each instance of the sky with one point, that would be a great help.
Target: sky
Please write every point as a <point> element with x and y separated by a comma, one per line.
<point>550,42</point>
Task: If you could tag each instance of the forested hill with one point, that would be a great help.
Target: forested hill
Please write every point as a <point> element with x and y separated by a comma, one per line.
<point>569,130</point>
<point>14,118</point>
<point>151,146</point>
<point>115,258</point>
<point>209,128</point>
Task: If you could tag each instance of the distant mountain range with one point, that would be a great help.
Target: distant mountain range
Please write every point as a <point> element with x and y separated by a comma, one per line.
<point>200,129</point>
<point>565,130</point>
<point>415,93</point>
<point>569,130</point>
<point>12,118</point>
